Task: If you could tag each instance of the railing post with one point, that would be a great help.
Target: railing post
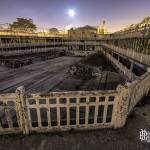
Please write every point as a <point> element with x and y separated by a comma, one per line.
<point>22,109</point>
<point>121,109</point>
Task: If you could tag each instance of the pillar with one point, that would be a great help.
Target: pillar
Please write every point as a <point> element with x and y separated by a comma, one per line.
<point>121,107</point>
<point>22,109</point>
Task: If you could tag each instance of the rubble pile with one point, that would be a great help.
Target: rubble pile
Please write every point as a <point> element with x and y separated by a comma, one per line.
<point>90,67</point>
<point>84,71</point>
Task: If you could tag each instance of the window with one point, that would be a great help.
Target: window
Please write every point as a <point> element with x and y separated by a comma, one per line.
<point>111,98</point>
<point>63,116</point>
<point>109,113</point>
<point>43,113</point>
<point>3,118</point>
<point>102,99</point>
<point>34,119</point>
<point>92,99</point>
<point>13,114</point>
<point>32,101</point>
<point>52,100</point>
<point>42,101</point>
<point>72,115</point>
<point>62,100</point>
<point>91,114</point>
<point>82,100</point>
<point>72,100</point>
<point>53,114</point>
<point>100,114</point>
<point>82,115</point>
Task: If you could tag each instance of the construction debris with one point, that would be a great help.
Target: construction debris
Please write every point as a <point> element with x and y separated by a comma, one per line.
<point>85,71</point>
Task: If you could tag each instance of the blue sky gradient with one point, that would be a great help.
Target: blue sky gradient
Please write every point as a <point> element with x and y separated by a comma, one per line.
<point>53,13</point>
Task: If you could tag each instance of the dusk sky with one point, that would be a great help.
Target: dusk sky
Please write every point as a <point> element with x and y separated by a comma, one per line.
<point>53,13</point>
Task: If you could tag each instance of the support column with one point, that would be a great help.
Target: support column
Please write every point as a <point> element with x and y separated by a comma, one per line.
<point>22,109</point>
<point>131,66</point>
<point>121,107</point>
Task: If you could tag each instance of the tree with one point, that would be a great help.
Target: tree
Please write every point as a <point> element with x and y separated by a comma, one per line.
<point>22,24</point>
<point>53,30</point>
<point>146,20</point>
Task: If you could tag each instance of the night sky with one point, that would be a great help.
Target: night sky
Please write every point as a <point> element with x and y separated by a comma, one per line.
<point>53,13</point>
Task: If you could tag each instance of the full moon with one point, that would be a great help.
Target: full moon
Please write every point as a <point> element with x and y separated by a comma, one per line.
<point>71,13</point>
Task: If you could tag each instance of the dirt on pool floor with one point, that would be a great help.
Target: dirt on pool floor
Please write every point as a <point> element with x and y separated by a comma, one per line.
<point>52,75</point>
<point>126,138</point>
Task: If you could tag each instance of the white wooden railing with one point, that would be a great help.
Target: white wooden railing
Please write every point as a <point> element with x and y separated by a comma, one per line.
<point>142,58</point>
<point>20,112</point>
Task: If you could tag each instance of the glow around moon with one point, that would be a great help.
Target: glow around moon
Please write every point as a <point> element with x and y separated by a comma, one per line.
<point>71,13</point>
